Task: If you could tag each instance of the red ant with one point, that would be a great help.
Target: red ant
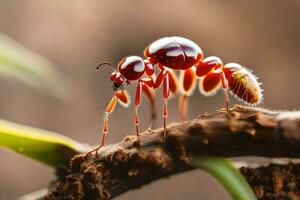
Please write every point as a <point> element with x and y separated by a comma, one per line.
<point>178,53</point>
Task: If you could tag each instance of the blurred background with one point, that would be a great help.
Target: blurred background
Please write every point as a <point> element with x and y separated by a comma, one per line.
<point>78,35</point>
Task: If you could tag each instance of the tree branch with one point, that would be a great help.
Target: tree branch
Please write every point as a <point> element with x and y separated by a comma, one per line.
<point>128,165</point>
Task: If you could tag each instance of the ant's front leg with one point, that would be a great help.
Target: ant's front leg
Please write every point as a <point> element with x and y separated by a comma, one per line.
<point>151,96</point>
<point>166,92</point>
<point>144,84</point>
<point>111,106</point>
<point>138,95</point>
<point>120,96</point>
<point>147,87</point>
<point>163,78</point>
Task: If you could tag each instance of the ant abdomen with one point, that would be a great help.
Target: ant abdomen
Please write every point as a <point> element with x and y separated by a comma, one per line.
<point>243,84</point>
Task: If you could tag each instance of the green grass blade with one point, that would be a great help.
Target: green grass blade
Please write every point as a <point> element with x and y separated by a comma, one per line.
<point>41,145</point>
<point>30,68</point>
<point>227,175</point>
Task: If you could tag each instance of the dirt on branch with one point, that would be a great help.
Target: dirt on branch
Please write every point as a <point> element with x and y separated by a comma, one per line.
<point>129,165</point>
<point>275,181</point>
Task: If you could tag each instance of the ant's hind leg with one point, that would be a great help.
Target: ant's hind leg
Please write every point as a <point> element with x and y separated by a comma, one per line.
<point>188,83</point>
<point>225,89</point>
<point>183,106</point>
<point>173,82</point>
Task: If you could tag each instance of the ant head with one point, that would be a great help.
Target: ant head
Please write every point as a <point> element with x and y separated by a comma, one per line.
<point>117,79</point>
<point>115,76</point>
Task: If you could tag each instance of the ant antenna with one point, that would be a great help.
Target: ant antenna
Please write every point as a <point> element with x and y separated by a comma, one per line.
<point>105,63</point>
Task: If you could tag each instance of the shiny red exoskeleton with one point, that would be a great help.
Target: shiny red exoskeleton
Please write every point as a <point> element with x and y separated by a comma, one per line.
<point>171,54</point>
<point>174,52</point>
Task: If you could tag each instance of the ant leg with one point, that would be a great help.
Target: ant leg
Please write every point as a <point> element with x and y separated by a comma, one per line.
<point>138,95</point>
<point>173,81</point>
<point>123,97</point>
<point>120,96</point>
<point>183,106</point>
<point>160,78</point>
<point>109,109</point>
<point>187,87</point>
<point>147,87</point>
<point>166,92</point>
<point>105,128</point>
<point>225,89</point>
<point>163,77</point>
<point>212,82</point>
<point>150,94</point>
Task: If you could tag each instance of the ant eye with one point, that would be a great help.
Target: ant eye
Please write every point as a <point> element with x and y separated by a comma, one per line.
<point>116,77</point>
<point>119,80</point>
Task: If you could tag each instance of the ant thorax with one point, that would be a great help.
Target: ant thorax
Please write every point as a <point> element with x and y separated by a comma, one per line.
<point>132,67</point>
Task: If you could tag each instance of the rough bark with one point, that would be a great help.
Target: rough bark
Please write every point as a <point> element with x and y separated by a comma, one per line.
<point>275,181</point>
<point>128,165</point>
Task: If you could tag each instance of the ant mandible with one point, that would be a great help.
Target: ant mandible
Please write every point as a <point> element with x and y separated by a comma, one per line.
<point>179,54</point>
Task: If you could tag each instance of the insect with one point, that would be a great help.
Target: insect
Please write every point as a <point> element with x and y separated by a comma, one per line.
<point>171,54</point>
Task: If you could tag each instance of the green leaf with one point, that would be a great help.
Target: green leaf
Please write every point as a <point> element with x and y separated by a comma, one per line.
<point>30,68</point>
<point>44,146</point>
<point>227,175</point>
